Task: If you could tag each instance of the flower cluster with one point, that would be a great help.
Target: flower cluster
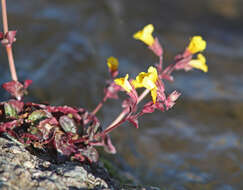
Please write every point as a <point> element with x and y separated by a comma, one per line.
<point>196,45</point>
<point>152,80</point>
<point>185,61</point>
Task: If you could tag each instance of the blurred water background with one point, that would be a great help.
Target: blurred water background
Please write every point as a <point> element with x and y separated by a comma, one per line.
<point>63,46</point>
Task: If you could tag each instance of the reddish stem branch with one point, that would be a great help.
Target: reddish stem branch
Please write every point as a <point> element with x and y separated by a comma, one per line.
<point>11,63</point>
<point>4,16</point>
<point>99,106</point>
<point>142,96</point>
<point>161,62</point>
<point>119,118</point>
<point>8,47</point>
<point>115,125</point>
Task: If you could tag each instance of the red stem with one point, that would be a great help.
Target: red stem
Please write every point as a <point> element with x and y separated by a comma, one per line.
<point>161,62</point>
<point>4,15</point>
<point>107,130</point>
<point>8,47</point>
<point>99,106</point>
<point>145,93</point>
<point>119,118</point>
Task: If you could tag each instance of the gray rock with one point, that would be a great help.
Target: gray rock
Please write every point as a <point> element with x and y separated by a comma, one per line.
<point>19,169</point>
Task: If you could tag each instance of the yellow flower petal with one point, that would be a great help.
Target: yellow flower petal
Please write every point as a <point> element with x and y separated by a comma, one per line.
<point>197,44</point>
<point>199,63</point>
<point>139,79</point>
<point>124,83</point>
<point>148,83</point>
<point>112,63</point>
<point>153,74</point>
<point>137,84</point>
<point>147,80</point>
<point>145,35</point>
<point>154,94</point>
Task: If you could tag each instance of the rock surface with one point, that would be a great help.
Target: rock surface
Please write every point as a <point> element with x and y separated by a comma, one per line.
<point>19,169</point>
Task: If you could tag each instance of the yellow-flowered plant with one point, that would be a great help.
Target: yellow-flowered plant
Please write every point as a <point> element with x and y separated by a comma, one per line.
<point>124,83</point>
<point>68,141</point>
<point>112,63</point>
<point>147,80</point>
<point>197,44</point>
<point>199,63</point>
<point>145,35</point>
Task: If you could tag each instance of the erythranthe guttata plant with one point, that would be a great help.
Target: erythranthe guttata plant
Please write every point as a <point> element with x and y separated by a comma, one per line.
<point>72,132</point>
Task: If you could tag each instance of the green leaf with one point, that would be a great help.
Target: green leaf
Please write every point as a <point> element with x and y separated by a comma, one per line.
<point>68,124</point>
<point>37,115</point>
<point>9,110</point>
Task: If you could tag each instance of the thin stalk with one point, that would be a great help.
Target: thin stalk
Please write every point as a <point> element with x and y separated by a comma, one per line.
<point>123,113</point>
<point>161,62</point>
<point>117,120</point>
<point>142,96</point>
<point>107,130</point>
<point>4,16</point>
<point>11,63</point>
<point>8,47</point>
<point>99,106</point>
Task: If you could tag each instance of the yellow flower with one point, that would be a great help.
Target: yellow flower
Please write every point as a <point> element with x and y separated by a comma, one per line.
<point>112,63</point>
<point>138,83</point>
<point>151,75</point>
<point>199,63</point>
<point>147,80</point>
<point>124,83</point>
<point>196,44</point>
<point>145,35</point>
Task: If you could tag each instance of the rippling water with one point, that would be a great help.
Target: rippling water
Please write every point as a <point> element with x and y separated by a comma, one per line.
<point>63,45</point>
